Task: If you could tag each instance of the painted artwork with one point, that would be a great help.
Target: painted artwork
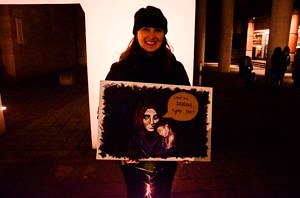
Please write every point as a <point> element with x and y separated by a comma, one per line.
<point>144,121</point>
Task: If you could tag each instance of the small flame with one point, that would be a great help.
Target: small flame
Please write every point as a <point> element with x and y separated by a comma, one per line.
<point>3,108</point>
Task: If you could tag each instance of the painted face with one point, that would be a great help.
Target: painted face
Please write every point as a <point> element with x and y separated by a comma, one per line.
<point>163,130</point>
<point>150,119</point>
<point>150,39</point>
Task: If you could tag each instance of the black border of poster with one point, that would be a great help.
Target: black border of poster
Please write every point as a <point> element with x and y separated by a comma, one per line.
<point>117,105</point>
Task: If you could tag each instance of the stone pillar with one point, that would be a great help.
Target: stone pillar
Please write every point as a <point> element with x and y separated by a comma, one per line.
<point>279,27</point>
<point>294,33</point>
<point>226,33</point>
<point>2,123</point>
<point>200,32</point>
<point>7,44</point>
<point>250,36</point>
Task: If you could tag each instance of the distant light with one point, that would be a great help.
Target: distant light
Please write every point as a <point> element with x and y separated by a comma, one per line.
<point>3,108</point>
<point>253,18</point>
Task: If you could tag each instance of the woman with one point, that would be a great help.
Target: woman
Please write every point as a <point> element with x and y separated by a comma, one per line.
<point>286,62</point>
<point>276,66</point>
<point>146,142</point>
<point>148,58</point>
<point>296,69</point>
<point>246,70</point>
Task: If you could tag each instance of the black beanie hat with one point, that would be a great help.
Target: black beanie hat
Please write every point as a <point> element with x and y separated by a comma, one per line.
<point>150,17</point>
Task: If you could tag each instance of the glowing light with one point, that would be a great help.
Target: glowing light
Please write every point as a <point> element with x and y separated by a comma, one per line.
<point>3,108</point>
<point>148,191</point>
<point>148,187</point>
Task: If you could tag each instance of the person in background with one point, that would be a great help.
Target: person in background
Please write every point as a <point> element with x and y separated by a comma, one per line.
<point>276,66</point>
<point>149,59</point>
<point>285,63</point>
<point>296,69</point>
<point>246,70</point>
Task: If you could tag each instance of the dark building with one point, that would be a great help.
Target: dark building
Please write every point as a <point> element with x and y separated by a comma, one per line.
<point>39,40</point>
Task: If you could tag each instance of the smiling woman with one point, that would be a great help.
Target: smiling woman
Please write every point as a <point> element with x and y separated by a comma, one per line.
<point>107,33</point>
<point>148,59</point>
<point>150,39</point>
<point>150,27</point>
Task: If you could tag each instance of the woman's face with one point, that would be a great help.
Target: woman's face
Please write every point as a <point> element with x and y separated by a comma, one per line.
<point>150,119</point>
<point>150,39</point>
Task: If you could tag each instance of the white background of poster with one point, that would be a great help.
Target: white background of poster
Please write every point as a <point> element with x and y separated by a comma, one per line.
<point>109,26</point>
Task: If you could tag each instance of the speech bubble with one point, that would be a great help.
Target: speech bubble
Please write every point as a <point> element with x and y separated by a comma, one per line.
<point>182,106</point>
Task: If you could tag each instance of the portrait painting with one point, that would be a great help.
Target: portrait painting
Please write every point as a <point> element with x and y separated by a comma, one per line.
<point>145,121</point>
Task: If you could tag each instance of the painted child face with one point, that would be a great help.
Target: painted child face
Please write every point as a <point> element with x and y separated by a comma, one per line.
<point>150,119</point>
<point>150,39</point>
<point>163,130</point>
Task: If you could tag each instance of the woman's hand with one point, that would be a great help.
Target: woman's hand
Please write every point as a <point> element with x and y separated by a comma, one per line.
<point>184,162</point>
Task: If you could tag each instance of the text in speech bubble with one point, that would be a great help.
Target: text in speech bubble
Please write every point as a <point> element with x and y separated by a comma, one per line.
<point>182,106</point>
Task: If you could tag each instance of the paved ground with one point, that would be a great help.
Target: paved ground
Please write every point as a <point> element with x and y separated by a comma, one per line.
<point>46,151</point>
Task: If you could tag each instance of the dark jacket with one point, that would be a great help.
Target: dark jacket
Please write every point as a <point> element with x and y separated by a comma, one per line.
<point>141,67</point>
<point>149,69</point>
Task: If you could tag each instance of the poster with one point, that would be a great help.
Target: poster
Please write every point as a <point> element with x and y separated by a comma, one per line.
<point>145,121</point>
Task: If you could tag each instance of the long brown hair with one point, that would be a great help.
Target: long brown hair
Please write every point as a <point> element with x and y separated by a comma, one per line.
<point>134,47</point>
<point>139,114</point>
